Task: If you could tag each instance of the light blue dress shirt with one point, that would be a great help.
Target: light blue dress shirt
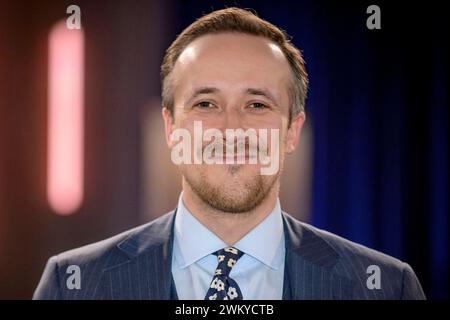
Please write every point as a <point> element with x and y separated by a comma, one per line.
<point>259,272</point>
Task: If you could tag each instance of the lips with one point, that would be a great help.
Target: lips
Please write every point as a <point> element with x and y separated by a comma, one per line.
<point>238,158</point>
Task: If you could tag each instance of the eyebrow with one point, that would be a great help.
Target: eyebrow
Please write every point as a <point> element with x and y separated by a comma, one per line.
<point>202,90</point>
<point>262,92</point>
<point>252,91</point>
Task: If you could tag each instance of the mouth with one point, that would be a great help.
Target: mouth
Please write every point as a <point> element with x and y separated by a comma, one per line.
<point>243,154</point>
<point>231,156</point>
<point>238,159</point>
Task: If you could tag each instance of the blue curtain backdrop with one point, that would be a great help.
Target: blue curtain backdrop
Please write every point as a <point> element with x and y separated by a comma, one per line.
<point>378,103</point>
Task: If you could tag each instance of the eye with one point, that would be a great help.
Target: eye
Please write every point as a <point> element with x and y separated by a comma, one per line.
<point>258,106</point>
<point>204,105</point>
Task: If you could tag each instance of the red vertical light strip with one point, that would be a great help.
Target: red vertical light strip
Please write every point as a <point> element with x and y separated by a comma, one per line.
<point>65,119</point>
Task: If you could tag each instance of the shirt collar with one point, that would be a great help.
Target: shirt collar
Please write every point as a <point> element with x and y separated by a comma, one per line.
<point>265,242</point>
<point>194,241</point>
<point>192,238</point>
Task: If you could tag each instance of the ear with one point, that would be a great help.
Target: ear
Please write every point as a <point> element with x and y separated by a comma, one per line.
<point>293,134</point>
<point>168,125</point>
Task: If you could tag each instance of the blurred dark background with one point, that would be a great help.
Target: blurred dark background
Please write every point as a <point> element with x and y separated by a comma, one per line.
<point>373,165</point>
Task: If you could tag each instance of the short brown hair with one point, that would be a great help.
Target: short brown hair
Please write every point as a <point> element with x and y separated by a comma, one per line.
<point>242,21</point>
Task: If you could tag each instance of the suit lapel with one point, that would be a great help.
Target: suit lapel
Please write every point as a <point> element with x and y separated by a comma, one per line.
<point>309,265</point>
<point>145,273</point>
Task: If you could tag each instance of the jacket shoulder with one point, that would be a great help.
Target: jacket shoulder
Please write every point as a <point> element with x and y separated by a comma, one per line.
<point>358,262</point>
<point>102,249</point>
<point>350,250</point>
<point>93,259</point>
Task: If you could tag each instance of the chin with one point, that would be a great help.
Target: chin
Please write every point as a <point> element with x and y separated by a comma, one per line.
<point>240,171</point>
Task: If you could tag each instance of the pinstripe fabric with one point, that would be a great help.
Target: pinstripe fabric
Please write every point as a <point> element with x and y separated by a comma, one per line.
<point>137,265</point>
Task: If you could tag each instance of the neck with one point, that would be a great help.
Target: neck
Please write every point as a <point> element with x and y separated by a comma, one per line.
<point>230,227</point>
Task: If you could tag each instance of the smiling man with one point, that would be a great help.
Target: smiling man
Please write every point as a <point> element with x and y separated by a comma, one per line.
<point>238,77</point>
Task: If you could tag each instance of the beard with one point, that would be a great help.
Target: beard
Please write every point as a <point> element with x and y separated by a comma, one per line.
<point>236,194</point>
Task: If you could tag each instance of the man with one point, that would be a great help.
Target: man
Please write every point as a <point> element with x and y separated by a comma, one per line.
<point>228,237</point>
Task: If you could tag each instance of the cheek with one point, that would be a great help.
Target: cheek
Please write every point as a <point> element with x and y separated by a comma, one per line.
<point>268,121</point>
<point>206,120</point>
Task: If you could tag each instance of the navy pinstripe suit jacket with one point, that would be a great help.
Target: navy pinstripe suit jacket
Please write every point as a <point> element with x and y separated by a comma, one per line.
<point>137,265</point>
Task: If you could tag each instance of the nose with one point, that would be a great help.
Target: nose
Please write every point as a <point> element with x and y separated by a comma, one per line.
<point>232,119</point>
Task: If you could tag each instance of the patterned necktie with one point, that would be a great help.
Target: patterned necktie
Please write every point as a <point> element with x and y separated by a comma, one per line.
<point>222,287</point>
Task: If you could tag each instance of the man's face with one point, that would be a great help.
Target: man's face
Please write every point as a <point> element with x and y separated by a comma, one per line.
<point>232,81</point>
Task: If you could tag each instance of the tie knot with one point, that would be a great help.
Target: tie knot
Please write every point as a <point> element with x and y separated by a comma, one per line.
<point>231,252</point>
<point>227,258</point>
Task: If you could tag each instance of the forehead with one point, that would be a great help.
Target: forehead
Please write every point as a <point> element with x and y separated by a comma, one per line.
<point>232,60</point>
